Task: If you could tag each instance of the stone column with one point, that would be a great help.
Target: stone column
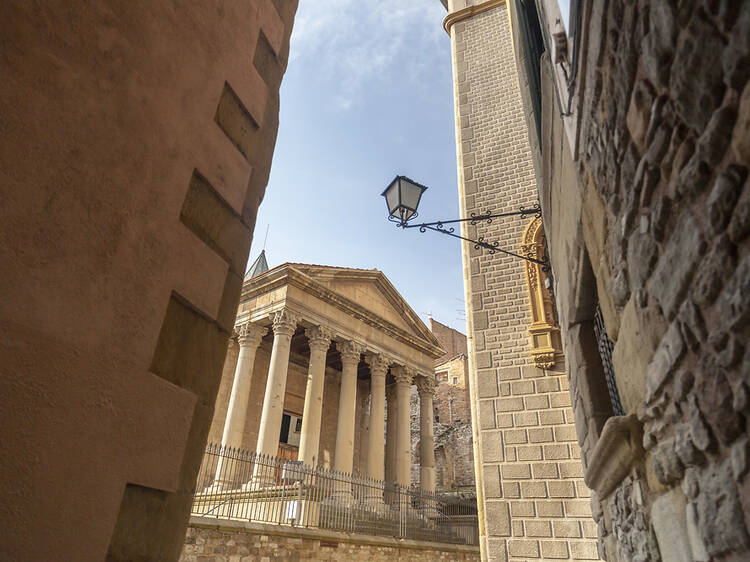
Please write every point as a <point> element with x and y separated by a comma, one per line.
<point>284,323</point>
<point>344,455</point>
<point>248,336</point>
<point>390,436</point>
<point>376,442</point>
<point>426,388</point>
<point>404,376</point>
<point>320,340</point>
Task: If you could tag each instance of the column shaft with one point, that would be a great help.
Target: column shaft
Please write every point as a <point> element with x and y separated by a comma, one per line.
<point>376,440</point>
<point>403,440</point>
<point>344,456</point>
<point>320,340</point>
<point>284,324</point>
<point>248,337</point>
<point>426,386</point>
<point>390,436</point>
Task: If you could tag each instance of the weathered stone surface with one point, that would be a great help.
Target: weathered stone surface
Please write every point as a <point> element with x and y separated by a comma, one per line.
<point>723,197</point>
<point>699,48</point>
<point>692,326</point>
<point>659,42</point>
<point>739,458</point>
<point>693,178</point>
<point>669,521</point>
<point>739,225</point>
<point>666,356</point>
<point>685,448</point>
<point>642,252</point>
<point>740,141</point>
<point>736,57</point>
<point>676,265</point>
<point>697,547</point>
<point>719,511</point>
<point>734,303</point>
<point>667,464</point>
<point>715,400</point>
<point>699,431</point>
<point>710,277</point>
<point>714,141</point>
<point>620,287</point>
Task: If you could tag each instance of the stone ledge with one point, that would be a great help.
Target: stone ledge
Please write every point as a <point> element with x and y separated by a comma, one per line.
<point>318,534</point>
<point>618,447</point>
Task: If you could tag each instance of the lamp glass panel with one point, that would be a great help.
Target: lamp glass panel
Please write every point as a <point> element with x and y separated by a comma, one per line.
<point>391,198</point>
<point>411,193</point>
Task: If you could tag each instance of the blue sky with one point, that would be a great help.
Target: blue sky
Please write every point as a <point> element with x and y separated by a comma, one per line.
<point>367,95</point>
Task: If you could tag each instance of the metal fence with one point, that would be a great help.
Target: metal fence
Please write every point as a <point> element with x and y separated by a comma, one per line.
<point>242,485</point>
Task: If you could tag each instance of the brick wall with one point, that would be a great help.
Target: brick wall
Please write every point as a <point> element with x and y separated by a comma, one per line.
<point>534,501</point>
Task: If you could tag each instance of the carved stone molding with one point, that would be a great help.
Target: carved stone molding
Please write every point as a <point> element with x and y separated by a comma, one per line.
<point>249,334</point>
<point>378,363</point>
<point>319,338</point>
<point>285,322</point>
<point>544,335</point>
<point>426,385</point>
<point>619,447</point>
<point>350,350</point>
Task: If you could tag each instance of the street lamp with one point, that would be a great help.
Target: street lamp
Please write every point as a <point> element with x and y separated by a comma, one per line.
<point>402,196</point>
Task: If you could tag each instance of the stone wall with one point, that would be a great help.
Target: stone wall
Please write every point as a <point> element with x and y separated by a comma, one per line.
<point>251,542</point>
<point>531,496</point>
<point>136,147</point>
<point>649,214</point>
<point>452,393</point>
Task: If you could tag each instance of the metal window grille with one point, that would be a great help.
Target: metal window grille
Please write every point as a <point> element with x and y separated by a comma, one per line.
<point>605,352</point>
<point>240,485</point>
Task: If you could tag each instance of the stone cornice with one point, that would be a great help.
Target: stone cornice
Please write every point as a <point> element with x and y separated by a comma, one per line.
<point>469,11</point>
<point>288,275</point>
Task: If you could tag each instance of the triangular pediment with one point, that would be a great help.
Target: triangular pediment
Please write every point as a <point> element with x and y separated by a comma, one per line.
<point>372,290</point>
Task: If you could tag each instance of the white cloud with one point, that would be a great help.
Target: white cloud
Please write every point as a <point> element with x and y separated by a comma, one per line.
<point>355,42</point>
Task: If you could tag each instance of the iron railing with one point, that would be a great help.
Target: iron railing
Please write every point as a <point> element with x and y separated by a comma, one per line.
<point>242,485</point>
<point>605,347</point>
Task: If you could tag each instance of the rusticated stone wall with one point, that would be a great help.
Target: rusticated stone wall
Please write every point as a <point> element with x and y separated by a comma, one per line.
<point>136,145</point>
<point>650,214</point>
<point>250,542</point>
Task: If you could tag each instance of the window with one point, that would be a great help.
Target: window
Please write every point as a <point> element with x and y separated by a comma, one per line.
<point>455,380</point>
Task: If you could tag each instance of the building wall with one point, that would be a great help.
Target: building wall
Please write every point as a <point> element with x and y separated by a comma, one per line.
<point>206,542</point>
<point>136,146</point>
<point>451,400</point>
<point>531,496</point>
<point>650,213</point>
<point>451,340</point>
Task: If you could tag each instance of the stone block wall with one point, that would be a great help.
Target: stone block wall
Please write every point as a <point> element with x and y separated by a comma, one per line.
<point>249,542</point>
<point>136,147</point>
<point>531,496</point>
<point>649,214</point>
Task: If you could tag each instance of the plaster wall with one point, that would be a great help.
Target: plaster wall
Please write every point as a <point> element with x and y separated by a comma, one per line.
<point>136,146</point>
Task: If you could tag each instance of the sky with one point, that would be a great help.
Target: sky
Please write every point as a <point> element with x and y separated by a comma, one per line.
<point>367,95</point>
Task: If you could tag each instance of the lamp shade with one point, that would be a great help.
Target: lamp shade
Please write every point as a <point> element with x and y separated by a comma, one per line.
<point>402,198</point>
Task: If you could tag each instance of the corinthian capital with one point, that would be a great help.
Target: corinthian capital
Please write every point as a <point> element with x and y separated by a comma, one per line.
<point>350,350</point>
<point>378,364</point>
<point>426,385</point>
<point>319,337</point>
<point>403,375</point>
<point>285,322</point>
<point>249,334</point>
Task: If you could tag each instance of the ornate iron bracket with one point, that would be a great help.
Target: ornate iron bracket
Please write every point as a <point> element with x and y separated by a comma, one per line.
<point>487,217</point>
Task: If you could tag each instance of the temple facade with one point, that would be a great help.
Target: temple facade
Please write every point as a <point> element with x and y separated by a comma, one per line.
<point>320,370</point>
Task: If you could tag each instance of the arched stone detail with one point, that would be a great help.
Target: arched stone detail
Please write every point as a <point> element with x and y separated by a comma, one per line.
<point>544,335</point>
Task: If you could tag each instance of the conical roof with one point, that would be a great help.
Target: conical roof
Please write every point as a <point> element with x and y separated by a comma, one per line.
<point>260,265</point>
